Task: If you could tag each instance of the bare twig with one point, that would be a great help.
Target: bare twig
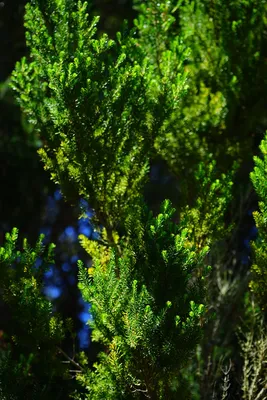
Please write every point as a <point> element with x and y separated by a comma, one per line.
<point>80,369</point>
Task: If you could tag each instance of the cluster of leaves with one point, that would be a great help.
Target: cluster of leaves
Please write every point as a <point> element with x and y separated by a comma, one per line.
<point>29,361</point>
<point>258,177</point>
<point>224,109</point>
<point>96,102</point>
<point>146,307</point>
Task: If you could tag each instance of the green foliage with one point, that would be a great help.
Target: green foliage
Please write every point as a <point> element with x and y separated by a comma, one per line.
<point>185,86</point>
<point>205,221</point>
<point>161,38</point>
<point>215,31</point>
<point>96,102</point>
<point>28,362</point>
<point>258,177</point>
<point>226,69</point>
<point>147,310</point>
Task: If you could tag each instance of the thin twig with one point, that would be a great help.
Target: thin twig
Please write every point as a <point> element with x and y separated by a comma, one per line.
<point>70,359</point>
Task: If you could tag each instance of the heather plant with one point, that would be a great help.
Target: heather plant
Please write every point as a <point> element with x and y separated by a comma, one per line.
<point>30,340</point>
<point>258,177</point>
<point>172,90</point>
